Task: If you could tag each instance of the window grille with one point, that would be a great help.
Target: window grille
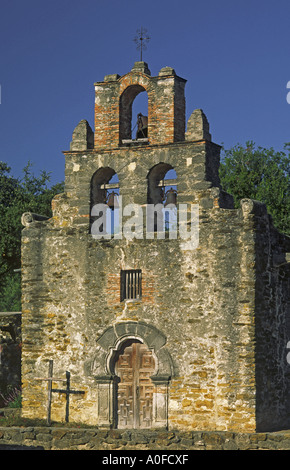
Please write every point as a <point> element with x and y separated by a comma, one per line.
<point>131,282</point>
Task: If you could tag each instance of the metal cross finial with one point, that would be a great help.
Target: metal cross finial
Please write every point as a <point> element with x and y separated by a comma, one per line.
<point>141,39</point>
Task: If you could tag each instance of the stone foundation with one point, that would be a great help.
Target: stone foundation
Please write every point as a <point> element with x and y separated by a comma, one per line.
<point>52,438</point>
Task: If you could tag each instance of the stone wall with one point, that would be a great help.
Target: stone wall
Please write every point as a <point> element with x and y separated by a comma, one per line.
<point>45,438</point>
<point>204,301</point>
<point>272,313</point>
<point>215,316</point>
<point>113,106</point>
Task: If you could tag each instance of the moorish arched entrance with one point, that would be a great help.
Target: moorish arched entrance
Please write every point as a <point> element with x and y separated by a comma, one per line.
<point>134,366</point>
<point>132,369</point>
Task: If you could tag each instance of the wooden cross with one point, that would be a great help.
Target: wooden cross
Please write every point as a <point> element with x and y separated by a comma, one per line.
<point>49,379</point>
<point>67,391</point>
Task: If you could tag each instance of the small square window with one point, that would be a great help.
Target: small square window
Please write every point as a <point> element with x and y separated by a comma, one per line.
<point>131,283</point>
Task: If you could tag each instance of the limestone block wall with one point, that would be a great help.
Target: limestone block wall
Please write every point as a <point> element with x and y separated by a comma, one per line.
<point>164,443</point>
<point>272,313</point>
<point>214,316</point>
<point>191,300</point>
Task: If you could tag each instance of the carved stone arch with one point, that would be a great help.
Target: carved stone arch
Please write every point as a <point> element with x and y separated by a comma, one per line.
<point>99,178</point>
<point>102,368</point>
<point>154,177</point>
<point>136,79</point>
<point>149,334</point>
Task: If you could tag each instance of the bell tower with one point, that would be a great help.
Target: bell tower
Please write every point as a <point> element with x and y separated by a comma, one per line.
<point>113,106</point>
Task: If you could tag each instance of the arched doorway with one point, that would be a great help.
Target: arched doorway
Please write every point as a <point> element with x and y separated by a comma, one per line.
<point>107,368</point>
<point>134,366</point>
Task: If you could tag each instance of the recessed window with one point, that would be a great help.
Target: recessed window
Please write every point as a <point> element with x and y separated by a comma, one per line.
<point>131,284</point>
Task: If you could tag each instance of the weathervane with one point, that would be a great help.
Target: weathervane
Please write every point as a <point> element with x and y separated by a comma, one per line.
<point>141,39</point>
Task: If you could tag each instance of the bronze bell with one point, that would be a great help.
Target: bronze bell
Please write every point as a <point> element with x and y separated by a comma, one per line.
<point>142,123</point>
<point>111,202</point>
<point>171,197</point>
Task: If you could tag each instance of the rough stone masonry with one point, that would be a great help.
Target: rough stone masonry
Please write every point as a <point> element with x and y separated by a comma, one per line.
<point>157,335</point>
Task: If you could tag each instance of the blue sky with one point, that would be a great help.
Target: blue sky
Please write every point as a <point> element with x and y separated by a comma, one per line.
<point>234,54</point>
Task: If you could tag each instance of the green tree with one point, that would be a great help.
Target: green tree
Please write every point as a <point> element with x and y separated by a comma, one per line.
<point>18,195</point>
<point>261,174</point>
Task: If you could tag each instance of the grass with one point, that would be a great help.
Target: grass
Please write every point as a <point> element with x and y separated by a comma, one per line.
<point>12,398</point>
<point>10,415</point>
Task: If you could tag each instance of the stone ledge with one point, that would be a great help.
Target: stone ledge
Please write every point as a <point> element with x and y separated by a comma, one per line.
<point>54,438</point>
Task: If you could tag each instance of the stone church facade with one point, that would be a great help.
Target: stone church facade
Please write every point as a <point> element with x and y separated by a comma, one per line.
<point>158,333</point>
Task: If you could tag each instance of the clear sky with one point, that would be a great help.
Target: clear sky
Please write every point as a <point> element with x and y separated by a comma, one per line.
<point>234,54</point>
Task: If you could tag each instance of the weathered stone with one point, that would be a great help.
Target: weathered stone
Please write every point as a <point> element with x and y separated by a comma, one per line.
<point>230,445</point>
<point>187,443</point>
<point>197,126</point>
<point>58,433</point>
<point>114,434</point>
<point>282,445</point>
<point>213,440</point>
<point>43,437</point>
<point>82,139</point>
<point>139,438</point>
<point>213,317</point>
<point>141,67</point>
<point>77,439</point>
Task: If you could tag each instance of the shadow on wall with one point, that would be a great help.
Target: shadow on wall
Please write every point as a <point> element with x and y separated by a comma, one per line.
<point>10,355</point>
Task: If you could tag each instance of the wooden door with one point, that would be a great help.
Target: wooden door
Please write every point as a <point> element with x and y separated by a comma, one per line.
<point>135,365</point>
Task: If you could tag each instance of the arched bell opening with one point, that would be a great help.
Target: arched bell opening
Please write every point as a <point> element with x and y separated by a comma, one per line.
<point>162,193</point>
<point>104,202</point>
<point>133,115</point>
<point>133,364</point>
<point>140,117</point>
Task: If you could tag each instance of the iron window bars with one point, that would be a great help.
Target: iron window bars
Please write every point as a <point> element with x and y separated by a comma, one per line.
<point>131,284</point>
